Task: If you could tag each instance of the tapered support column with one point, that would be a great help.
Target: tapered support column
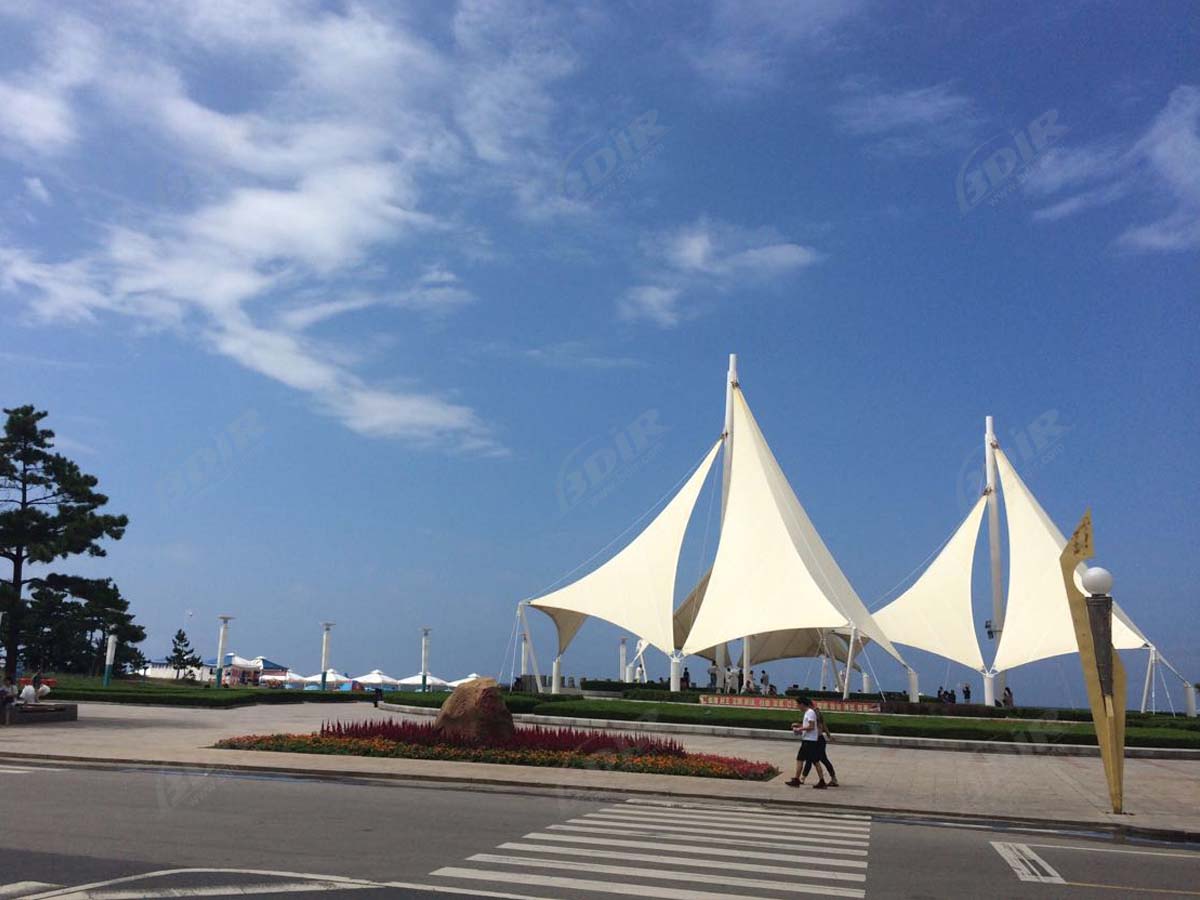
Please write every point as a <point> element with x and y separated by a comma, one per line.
<point>630,673</point>
<point>110,656</point>
<point>326,627</point>
<point>824,672</point>
<point>993,511</point>
<point>676,672</point>
<point>524,656</point>
<point>866,683</point>
<point>745,663</point>
<point>989,689</point>
<point>914,687</point>
<point>425,659</point>
<point>621,666</point>
<point>849,664</point>
<point>1149,678</point>
<point>1189,699</point>
<point>221,636</point>
<point>556,676</point>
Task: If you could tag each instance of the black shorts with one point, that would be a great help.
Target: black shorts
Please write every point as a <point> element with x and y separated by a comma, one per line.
<point>810,751</point>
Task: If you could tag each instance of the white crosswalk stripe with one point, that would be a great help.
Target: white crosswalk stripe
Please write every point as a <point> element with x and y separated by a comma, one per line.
<point>668,850</point>
<point>24,770</point>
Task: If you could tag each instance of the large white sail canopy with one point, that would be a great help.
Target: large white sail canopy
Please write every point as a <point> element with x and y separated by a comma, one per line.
<point>935,613</point>
<point>635,589</point>
<point>772,571</point>
<point>1037,618</point>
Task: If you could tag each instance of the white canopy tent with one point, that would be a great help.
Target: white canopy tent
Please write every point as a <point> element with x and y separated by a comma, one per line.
<point>635,589</point>
<point>376,678</point>
<point>332,676</point>
<point>458,682</point>
<point>1037,618</point>
<point>431,681</point>
<point>772,576</point>
<point>935,613</point>
<point>772,572</point>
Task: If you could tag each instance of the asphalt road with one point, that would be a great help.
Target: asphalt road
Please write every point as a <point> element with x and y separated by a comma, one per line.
<point>110,834</point>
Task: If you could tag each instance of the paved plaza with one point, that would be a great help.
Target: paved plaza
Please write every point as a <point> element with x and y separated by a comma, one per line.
<point>1160,794</point>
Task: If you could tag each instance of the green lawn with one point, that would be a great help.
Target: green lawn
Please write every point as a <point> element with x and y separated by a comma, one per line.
<point>1142,731</point>
<point>1172,733</point>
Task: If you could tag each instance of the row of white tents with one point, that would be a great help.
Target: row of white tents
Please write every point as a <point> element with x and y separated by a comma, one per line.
<point>375,678</point>
<point>775,586</point>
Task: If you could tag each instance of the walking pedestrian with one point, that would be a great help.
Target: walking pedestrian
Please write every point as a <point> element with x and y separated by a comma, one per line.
<point>809,753</point>
<point>822,751</point>
<point>966,693</point>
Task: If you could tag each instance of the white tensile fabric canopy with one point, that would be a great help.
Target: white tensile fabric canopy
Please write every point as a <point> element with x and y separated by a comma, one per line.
<point>800,643</point>
<point>772,570</point>
<point>635,589</point>
<point>332,676</point>
<point>376,677</point>
<point>1037,618</point>
<point>935,613</point>
<point>459,682</point>
<point>430,681</point>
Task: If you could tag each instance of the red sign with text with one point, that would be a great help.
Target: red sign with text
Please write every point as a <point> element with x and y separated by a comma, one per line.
<point>864,706</point>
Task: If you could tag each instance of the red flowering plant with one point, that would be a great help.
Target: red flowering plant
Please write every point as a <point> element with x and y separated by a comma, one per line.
<point>537,746</point>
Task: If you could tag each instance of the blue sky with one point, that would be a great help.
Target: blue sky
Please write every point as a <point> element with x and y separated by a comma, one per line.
<point>339,299</point>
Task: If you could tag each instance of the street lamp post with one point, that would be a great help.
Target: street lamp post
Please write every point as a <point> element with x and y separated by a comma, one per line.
<point>221,636</point>
<point>326,627</point>
<point>425,659</point>
<point>110,656</point>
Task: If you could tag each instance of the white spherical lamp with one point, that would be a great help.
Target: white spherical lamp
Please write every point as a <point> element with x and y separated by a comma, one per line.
<point>1097,581</point>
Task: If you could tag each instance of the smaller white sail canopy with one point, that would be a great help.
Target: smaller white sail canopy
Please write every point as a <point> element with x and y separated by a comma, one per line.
<point>634,590</point>
<point>458,682</point>
<point>1037,618</point>
<point>376,678</point>
<point>935,613</point>
<point>332,676</point>
<point>772,570</point>
<point>431,681</point>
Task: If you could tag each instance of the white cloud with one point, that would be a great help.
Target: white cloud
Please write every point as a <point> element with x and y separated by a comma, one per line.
<point>35,106</point>
<point>913,122</point>
<point>38,191</point>
<point>751,44</point>
<point>1162,167</point>
<point>651,302</point>
<point>705,256</point>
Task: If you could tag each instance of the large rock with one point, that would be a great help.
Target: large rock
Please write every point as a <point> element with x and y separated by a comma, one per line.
<point>475,710</point>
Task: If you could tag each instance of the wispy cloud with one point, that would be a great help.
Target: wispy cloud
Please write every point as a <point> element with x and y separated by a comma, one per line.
<point>355,127</point>
<point>905,123</point>
<point>1160,168</point>
<point>705,256</point>
<point>37,190</point>
<point>752,44</point>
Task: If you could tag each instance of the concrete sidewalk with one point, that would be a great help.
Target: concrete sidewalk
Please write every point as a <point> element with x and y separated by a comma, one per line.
<point>1161,795</point>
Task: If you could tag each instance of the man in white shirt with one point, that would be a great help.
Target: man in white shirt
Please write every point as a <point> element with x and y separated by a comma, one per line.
<point>809,731</point>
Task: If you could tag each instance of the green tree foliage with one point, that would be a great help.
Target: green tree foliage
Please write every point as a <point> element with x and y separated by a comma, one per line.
<point>68,623</point>
<point>182,657</point>
<point>48,511</point>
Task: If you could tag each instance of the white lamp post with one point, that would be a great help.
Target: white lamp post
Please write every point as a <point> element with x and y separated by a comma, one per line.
<point>221,636</point>
<point>425,659</point>
<point>326,627</point>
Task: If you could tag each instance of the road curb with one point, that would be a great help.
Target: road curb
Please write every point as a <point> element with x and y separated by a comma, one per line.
<point>467,782</point>
<point>1018,748</point>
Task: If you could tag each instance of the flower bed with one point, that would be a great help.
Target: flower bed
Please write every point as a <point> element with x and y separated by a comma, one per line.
<point>550,747</point>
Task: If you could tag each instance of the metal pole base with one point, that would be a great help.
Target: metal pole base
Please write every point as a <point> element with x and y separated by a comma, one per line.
<point>989,689</point>
<point>676,673</point>
<point>914,689</point>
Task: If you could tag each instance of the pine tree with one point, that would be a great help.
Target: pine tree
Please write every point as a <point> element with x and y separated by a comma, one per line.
<point>48,511</point>
<point>183,657</point>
